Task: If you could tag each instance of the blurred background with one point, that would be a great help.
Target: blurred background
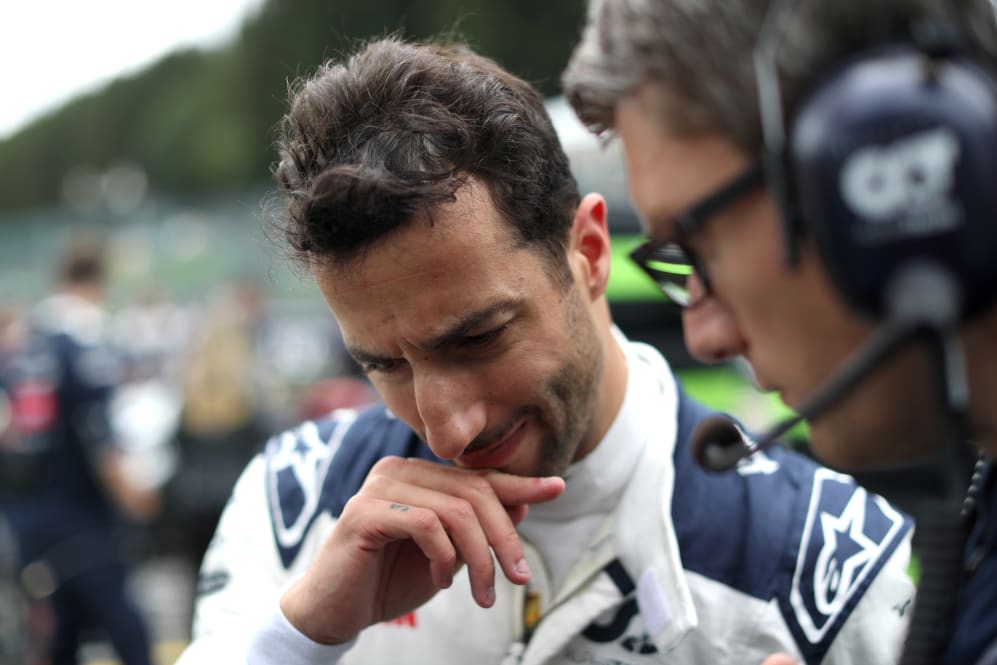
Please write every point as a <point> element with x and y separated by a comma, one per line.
<point>163,143</point>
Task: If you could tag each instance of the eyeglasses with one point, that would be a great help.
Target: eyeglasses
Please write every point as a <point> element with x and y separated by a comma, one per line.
<point>669,262</point>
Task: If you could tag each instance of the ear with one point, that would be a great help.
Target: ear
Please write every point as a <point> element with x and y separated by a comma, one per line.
<point>590,244</point>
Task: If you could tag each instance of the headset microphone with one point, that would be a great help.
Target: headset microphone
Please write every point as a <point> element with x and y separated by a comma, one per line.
<point>718,443</point>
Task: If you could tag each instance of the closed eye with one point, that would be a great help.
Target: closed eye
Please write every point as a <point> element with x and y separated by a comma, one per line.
<point>386,366</point>
<point>482,340</point>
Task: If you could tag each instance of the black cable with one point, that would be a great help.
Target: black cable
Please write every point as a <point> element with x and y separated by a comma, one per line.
<point>942,528</point>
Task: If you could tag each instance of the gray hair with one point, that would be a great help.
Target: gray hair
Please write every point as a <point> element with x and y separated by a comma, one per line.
<point>699,54</point>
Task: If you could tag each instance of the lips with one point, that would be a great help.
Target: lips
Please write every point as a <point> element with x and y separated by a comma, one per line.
<point>497,454</point>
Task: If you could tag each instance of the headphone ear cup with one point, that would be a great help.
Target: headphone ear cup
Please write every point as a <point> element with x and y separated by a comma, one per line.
<point>893,158</point>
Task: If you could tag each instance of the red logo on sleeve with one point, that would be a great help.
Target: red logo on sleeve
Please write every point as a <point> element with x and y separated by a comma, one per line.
<point>406,620</point>
<point>33,405</point>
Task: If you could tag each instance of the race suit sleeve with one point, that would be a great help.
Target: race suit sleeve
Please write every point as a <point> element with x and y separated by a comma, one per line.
<point>283,507</point>
<point>240,585</point>
<point>280,643</point>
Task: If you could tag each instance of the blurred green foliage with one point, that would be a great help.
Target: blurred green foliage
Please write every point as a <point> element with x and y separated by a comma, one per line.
<point>202,121</point>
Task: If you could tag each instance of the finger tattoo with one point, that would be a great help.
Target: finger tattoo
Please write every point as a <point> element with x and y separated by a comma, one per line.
<point>398,506</point>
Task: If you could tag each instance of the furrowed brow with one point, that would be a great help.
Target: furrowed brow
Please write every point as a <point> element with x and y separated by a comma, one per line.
<point>450,336</point>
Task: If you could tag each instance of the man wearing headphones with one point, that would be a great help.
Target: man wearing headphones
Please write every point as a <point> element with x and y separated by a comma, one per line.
<point>825,173</point>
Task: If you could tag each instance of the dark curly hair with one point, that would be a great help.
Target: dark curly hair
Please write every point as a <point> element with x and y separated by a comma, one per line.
<point>396,130</point>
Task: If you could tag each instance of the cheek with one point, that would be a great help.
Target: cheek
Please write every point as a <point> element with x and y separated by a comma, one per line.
<point>744,270</point>
<point>825,312</point>
<point>399,397</point>
<point>516,379</point>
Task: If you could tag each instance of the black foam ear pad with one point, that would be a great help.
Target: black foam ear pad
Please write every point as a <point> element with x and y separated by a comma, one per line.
<point>893,158</point>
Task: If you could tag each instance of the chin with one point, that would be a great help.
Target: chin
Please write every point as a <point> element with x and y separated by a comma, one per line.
<point>795,394</point>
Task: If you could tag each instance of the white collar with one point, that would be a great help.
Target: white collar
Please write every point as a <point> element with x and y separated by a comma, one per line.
<point>594,484</point>
<point>645,533</point>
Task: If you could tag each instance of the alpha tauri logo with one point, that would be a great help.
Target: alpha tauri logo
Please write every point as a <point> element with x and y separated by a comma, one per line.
<point>848,536</point>
<point>903,188</point>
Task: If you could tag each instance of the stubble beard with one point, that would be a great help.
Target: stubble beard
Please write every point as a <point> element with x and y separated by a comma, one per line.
<point>573,393</point>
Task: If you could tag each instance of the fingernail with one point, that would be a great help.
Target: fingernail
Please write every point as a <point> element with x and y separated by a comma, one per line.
<point>522,567</point>
<point>490,595</point>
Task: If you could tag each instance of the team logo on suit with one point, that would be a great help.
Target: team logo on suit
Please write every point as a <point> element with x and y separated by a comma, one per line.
<point>847,536</point>
<point>298,461</point>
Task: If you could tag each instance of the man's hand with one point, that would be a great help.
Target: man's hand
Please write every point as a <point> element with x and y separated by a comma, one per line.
<point>402,537</point>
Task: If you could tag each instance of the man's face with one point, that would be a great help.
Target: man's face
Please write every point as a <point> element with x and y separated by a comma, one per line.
<point>471,341</point>
<point>787,322</point>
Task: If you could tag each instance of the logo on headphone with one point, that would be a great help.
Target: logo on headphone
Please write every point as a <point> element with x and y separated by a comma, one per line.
<point>903,189</point>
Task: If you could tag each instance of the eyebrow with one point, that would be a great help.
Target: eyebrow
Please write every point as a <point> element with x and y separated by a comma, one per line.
<point>452,335</point>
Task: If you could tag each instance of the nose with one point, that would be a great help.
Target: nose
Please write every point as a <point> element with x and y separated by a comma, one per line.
<point>450,409</point>
<point>710,329</point>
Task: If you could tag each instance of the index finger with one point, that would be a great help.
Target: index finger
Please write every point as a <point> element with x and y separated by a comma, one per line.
<point>510,490</point>
<point>523,490</point>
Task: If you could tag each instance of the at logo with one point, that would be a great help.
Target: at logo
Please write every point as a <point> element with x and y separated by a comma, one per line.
<point>882,183</point>
<point>849,534</point>
<point>296,464</point>
<point>623,624</point>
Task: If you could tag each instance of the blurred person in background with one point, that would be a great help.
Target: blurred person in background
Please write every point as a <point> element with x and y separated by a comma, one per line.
<point>233,399</point>
<point>12,324</point>
<point>18,642</point>
<point>516,499</point>
<point>341,392</point>
<point>826,179</point>
<point>153,333</point>
<point>73,494</point>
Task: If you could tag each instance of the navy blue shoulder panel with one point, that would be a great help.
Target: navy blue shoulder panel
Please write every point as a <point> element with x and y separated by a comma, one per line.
<point>320,464</point>
<point>782,527</point>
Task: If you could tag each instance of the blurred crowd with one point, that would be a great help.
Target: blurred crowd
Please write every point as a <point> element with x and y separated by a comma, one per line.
<point>193,391</point>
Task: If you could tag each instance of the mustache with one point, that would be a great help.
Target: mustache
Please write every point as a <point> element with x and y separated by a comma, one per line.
<point>493,435</point>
